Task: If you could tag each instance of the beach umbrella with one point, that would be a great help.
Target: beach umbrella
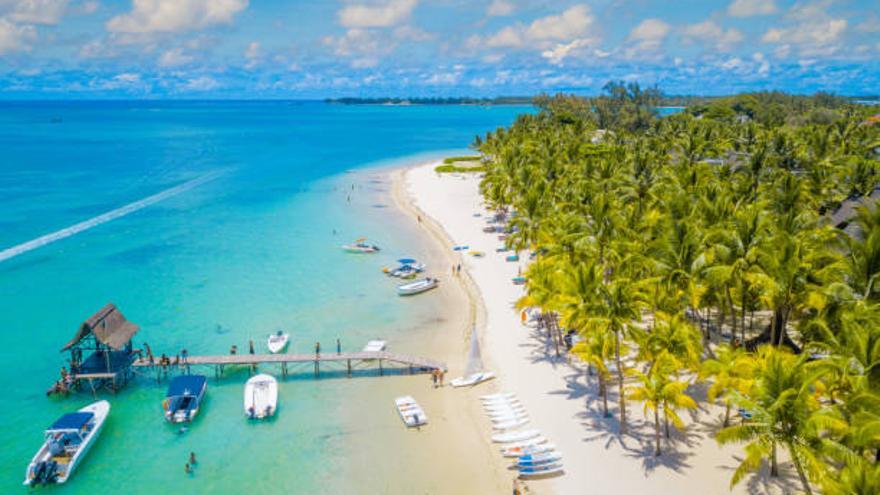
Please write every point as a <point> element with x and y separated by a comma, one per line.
<point>406,261</point>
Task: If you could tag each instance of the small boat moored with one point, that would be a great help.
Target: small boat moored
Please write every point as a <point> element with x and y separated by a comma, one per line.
<point>277,342</point>
<point>184,396</point>
<point>375,346</point>
<point>417,287</point>
<point>361,246</point>
<point>67,442</point>
<point>410,411</point>
<point>260,396</point>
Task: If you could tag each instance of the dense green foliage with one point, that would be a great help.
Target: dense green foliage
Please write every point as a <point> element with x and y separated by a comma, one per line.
<point>464,100</point>
<point>674,241</point>
<point>452,159</point>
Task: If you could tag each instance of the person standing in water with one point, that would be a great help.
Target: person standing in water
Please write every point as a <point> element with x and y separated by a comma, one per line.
<point>338,346</point>
<point>317,349</point>
<point>192,459</point>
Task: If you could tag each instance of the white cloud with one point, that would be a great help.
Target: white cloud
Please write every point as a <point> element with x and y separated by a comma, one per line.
<point>552,34</point>
<point>365,46</point>
<point>411,33</point>
<point>764,64</point>
<point>389,13</point>
<point>253,50</point>
<point>203,83</point>
<point>708,32</point>
<point>809,29</point>
<point>499,8</point>
<point>647,38</point>
<point>15,38</point>
<point>749,8</point>
<point>444,78</point>
<point>870,25</point>
<point>174,57</point>
<point>558,53</point>
<point>33,11</point>
<point>158,16</point>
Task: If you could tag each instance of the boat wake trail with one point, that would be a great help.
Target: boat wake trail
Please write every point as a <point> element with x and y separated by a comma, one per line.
<point>105,217</point>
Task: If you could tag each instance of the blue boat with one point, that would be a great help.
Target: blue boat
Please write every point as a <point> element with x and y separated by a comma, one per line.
<point>185,394</point>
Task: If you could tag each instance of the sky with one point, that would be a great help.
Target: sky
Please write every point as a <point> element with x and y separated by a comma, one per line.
<point>203,49</point>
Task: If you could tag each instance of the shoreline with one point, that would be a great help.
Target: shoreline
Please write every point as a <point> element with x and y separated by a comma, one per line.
<point>561,399</point>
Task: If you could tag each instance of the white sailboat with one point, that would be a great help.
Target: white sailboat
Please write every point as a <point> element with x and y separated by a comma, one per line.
<point>260,396</point>
<point>473,373</point>
<point>67,442</point>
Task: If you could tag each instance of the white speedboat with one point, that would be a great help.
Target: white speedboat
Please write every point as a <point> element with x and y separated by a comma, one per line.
<point>515,436</point>
<point>67,442</point>
<point>375,346</point>
<point>361,246</point>
<point>410,411</point>
<point>473,379</point>
<point>277,342</point>
<point>260,396</point>
<point>417,287</point>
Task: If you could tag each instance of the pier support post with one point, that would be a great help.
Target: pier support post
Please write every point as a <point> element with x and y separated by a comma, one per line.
<point>381,371</point>
<point>284,369</point>
<point>316,368</point>
<point>349,368</point>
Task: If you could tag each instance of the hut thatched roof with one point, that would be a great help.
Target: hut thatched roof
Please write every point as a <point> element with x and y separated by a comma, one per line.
<point>108,326</point>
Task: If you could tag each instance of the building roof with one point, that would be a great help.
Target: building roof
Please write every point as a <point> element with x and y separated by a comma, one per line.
<point>109,327</point>
<point>72,421</point>
<point>843,215</point>
<point>186,385</point>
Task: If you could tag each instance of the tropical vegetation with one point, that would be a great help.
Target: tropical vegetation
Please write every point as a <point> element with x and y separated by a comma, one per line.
<point>735,243</point>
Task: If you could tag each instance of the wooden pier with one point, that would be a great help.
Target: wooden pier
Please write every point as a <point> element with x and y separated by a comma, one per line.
<point>353,361</point>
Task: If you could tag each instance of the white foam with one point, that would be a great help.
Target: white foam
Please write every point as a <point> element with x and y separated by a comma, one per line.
<point>105,217</point>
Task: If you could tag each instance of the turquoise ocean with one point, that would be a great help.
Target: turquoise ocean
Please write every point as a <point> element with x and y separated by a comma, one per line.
<point>251,248</point>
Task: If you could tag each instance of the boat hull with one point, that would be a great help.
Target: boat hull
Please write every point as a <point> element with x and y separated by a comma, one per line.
<point>100,409</point>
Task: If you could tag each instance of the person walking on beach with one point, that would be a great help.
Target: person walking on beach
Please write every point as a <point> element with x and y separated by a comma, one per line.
<point>442,376</point>
<point>458,269</point>
<point>434,377</point>
<point>338,346</point>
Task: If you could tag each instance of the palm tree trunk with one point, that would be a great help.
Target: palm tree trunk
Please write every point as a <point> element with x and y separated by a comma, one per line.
<point>774,469</point>
<point>603,389</point>
<point>621,398</point>
<point>800,470</point>
<point>743,316</point>
<point>666,422</point>
<point>656,432</point>
<point>727,414</point>
<point>732,312</point>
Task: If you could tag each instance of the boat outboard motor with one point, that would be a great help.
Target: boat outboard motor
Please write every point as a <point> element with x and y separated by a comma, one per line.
<point>45,473</point>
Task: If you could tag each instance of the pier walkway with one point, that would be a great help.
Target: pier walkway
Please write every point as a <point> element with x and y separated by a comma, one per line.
<point>351,360</point>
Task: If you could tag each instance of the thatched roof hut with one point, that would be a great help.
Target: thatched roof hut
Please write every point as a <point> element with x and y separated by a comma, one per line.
<point>108,326</point>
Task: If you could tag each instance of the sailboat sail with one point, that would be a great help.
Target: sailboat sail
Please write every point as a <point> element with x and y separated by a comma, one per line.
<point>475,359</point>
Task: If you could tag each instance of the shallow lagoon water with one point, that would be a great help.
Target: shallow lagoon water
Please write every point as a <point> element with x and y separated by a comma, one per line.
<point>250,252</point>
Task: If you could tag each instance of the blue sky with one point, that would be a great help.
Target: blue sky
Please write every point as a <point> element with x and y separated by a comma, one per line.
<point>314,49</point>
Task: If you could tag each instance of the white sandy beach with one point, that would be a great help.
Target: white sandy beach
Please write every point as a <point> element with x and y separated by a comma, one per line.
<point>562,402</point>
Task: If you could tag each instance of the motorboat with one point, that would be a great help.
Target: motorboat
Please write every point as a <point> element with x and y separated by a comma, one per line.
<point>361,246</point>
<point>417,287</point>
<point>260,396</point>
<point>410,411</point>
<point>67,441</point>
<point>375,346</point>
<point>277,342</point>
<point>184,397</point>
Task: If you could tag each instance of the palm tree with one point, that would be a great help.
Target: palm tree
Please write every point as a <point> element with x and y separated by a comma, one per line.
<point>858,477</point>
<point>731,373</point>
<point>658,390</point>
<point>782,405</point>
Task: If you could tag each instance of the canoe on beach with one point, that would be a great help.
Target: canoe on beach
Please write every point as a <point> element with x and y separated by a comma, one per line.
<point>528,449</point>
<point>515,436</point>
<point>410,411</point>
<point>417,287</point>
